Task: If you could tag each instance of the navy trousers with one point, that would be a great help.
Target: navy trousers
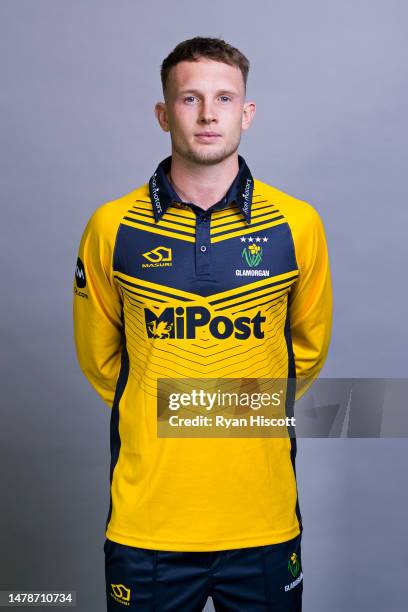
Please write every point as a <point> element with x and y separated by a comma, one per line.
<point>257,579</point>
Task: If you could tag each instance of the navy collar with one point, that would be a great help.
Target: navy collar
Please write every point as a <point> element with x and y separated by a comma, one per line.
<point>162,194</point>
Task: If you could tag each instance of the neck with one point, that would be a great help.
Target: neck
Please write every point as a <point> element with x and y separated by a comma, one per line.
<point>202,185</point>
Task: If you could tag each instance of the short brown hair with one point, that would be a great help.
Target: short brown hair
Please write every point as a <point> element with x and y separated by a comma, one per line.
<point>193,49</point>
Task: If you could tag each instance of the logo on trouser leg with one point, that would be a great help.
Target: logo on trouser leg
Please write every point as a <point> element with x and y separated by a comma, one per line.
<point>289,587</point>
<point>121,594</point>
<point>294,565</point>
<point>294,569</point>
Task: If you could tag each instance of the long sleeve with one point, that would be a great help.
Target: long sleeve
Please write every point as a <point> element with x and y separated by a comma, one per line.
<point>311,300</point>
<point>97,305</point>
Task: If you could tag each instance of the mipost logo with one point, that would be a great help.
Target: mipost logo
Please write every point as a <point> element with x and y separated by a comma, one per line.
<point>190,322</point>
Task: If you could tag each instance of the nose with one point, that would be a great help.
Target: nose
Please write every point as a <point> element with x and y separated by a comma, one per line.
<point>207,112</point>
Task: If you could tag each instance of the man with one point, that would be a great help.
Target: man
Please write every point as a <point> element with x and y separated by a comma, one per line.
<point>203,273</point>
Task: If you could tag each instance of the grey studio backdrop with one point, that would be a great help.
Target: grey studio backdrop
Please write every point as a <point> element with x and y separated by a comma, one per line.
<point>79,81</point>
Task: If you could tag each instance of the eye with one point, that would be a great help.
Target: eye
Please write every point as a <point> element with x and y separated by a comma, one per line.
<point>189,99</point>
<point>225,98</point>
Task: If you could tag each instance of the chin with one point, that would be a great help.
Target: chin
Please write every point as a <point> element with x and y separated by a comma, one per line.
<point>210,157</point>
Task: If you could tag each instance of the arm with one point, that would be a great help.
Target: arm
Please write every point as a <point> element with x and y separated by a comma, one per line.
<point>310,301</point>
<point>97,306</point>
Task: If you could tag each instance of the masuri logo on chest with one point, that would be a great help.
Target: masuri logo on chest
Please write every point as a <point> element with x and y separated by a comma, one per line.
<point>159,257</point>
<point>184,322</point>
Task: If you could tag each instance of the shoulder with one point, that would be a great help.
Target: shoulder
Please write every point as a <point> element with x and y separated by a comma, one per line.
<point>298,213</point>
<point>304,222</point>
<point>105,220</point>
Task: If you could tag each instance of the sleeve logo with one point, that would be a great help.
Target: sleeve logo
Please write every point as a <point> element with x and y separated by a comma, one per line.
<point>80,277</point>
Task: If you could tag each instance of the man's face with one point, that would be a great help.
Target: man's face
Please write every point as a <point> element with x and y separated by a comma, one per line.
<point>205,110</point>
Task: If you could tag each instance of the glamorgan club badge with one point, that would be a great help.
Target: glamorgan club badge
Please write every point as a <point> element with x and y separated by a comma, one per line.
<point>252,252</point>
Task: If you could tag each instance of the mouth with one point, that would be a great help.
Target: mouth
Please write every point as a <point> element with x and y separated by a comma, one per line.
<point>207,136</point>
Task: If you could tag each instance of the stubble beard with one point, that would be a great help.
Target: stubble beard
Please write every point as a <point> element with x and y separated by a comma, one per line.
<point>204,157</point>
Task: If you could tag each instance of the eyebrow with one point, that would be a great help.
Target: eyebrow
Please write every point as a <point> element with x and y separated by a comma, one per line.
<point>219,92</point>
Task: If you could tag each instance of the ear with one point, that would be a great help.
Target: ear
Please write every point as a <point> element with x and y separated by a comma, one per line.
<point>160,111</point>
<point>248,114</point>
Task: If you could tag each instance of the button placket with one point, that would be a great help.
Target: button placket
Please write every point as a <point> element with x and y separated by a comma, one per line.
<point>203,245</point>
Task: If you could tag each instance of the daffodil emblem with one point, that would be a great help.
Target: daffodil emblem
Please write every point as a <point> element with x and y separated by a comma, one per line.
<point>252,255</point>
<point>294,565</point>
